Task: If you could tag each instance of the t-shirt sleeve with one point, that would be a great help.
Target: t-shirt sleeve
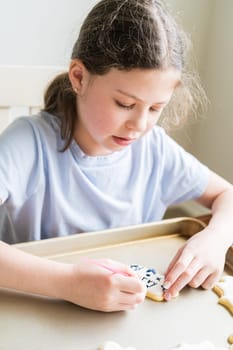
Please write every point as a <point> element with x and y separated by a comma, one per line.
<point>18,159</point>
<point>183,177</point>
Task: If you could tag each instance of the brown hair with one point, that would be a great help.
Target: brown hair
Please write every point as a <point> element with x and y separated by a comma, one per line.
<point>124,34</point>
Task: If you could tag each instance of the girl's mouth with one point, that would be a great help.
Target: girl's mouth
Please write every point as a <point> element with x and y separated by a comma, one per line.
<point>122,141</point>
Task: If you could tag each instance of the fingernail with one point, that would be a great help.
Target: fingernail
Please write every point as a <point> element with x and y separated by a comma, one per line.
<point>167,285</point>
<point>167,296</point>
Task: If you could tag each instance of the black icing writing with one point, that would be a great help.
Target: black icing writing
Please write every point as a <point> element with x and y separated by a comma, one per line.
<point>148,282</point>
<point>150,272</point>
<point>136,267</point>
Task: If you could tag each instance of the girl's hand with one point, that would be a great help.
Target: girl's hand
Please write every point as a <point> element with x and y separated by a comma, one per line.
<point>198,263</point>
<point>97,288</point>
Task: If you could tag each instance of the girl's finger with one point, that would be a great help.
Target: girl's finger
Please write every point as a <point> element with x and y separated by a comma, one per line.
<point>125,307</point>
<point>130,284</point>
<point>199,278</point>
<point>179,267</point>
<point>185,278</point>
<point>210,281</point>
<point>131,299</point>
<point>176,257</point>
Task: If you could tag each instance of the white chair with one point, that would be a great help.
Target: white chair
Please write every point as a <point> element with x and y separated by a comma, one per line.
<point>22,89</point>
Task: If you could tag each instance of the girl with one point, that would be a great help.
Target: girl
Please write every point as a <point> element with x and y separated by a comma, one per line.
<point>96,148</point>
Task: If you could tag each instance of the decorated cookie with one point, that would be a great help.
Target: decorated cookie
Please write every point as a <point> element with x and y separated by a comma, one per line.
<point>224,289</point>
<point>230,339</point>
<point>153,281</point>
<point>110,345</point>
<point>205,345</point>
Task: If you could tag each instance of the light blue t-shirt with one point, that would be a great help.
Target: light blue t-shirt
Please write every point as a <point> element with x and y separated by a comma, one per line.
<point>49,193</point>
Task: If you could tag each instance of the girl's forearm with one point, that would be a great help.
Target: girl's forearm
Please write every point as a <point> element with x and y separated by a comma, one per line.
<point>89,285</point>
<point>28,273</point>
<point>222,216</point>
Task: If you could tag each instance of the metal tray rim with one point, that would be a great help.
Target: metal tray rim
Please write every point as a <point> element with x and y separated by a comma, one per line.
<point>50,246</point>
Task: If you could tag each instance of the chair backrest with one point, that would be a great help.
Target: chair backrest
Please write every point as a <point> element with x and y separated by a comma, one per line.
<point>22,89</point>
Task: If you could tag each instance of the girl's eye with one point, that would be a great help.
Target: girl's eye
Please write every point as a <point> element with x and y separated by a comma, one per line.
<point>123,105</point>
<point>155,110</point>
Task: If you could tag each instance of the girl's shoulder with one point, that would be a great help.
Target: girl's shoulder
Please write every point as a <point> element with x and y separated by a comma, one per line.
<point>42,122</point>
<point>39,128</point>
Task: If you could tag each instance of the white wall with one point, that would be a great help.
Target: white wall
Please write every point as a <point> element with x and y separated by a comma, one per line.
<point>39,32</point>
<point>212,139</point>
<point>195,17</point>
<point>43,32</point>
<point>211,26</point>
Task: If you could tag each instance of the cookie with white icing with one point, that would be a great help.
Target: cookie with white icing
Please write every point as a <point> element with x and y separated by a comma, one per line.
<point>224,289</point>
<point>205,345</point>
<point>153,281</point>
<point>110,345</point>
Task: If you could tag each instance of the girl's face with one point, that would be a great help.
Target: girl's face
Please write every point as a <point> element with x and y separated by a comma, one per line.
<point>117,108</point>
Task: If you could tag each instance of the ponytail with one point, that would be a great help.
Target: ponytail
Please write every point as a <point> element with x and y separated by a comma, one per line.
<point>60,100</point>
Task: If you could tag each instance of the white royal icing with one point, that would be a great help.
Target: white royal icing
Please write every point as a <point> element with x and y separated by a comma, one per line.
<point>110,345</point>
<point>151,278</point>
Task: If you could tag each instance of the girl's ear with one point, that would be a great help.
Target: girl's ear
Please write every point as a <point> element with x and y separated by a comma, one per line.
<point>79,76</point>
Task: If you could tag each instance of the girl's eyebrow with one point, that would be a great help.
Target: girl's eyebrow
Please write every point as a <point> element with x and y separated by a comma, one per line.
<point>137,98</point>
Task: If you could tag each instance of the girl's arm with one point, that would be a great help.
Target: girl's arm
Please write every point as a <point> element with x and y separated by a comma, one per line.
<point>85,284</point>
<point>201,260</point>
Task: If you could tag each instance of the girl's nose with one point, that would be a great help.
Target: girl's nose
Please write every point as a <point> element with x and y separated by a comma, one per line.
<point>138,122</point>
